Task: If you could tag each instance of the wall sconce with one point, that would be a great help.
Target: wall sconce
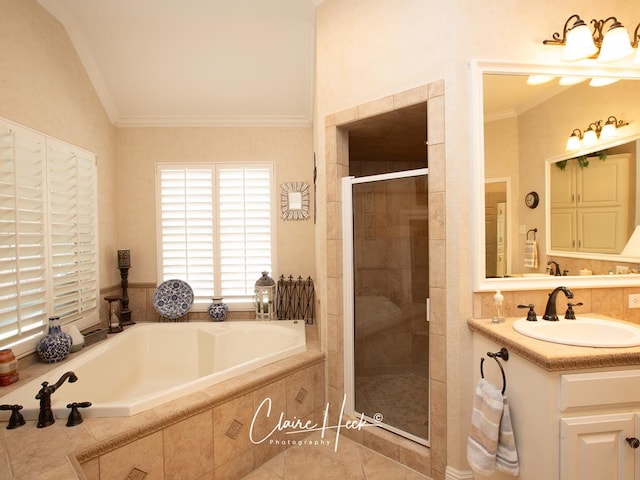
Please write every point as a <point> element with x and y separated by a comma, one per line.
<point>580,42</point>
<point>597,130</point>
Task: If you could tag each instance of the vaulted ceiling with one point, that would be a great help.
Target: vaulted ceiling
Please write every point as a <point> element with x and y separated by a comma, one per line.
<point>196,62</point>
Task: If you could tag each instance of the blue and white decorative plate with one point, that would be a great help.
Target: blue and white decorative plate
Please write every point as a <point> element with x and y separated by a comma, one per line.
<point>173,298</point>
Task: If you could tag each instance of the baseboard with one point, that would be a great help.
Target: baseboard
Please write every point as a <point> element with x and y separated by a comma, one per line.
<point>453,474</point>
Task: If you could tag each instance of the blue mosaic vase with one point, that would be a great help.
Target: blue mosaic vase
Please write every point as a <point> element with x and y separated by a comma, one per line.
<point>55,345</point>
<point>218,310</point>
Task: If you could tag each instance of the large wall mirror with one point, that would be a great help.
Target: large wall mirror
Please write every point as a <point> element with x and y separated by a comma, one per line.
<point>580,206</point>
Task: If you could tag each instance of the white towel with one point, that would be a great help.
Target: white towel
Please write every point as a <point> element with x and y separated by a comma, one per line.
<point>531,254</point>
<point>507,455</point>
<point>482,444</point>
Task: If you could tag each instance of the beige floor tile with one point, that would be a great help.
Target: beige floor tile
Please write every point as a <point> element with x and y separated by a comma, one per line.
<point>351,461</point>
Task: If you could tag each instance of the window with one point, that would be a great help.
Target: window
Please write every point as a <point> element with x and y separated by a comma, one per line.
<point>48,235</point>
<point>216,229</point>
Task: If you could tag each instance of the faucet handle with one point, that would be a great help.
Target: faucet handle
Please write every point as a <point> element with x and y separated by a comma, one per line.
<point>74,415</point>
<point>570,314</point>
<point>531,314</point>
<point>16,420</point>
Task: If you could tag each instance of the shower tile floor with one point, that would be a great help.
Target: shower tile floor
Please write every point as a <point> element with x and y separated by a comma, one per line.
<point>315,462</point>
<point>401,399</point>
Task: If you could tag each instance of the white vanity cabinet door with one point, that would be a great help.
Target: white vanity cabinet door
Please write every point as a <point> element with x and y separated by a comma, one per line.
<point>594,447</point>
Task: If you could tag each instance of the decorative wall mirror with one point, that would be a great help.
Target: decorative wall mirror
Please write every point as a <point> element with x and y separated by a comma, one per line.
<point>294,201</point>
<point>520,134</point>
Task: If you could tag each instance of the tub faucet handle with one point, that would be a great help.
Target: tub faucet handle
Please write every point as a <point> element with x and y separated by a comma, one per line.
<point>74,415</point>
<point>16,420</point>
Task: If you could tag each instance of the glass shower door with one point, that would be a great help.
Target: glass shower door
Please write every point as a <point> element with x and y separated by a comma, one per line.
<point>390,297</point>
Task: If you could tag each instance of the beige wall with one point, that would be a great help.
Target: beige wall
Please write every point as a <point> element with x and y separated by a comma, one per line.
<point>44,86</point>
<point>139,149</point>
<point>370,49</point>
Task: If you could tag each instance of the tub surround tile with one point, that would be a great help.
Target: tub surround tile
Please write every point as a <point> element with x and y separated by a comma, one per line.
<point>236,414</point>
<point>237,467</point>
<point>189,447</point>
<point>144,454</point>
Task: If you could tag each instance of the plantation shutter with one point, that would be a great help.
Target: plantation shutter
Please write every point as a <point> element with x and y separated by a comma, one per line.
<point>73,231</point>
<point>215,227</point>
<point>245,228</point>
<point>23,297</point>
<point>187,228</point>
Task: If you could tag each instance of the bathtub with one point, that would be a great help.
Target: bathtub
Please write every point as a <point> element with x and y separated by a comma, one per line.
<point>153,363</point>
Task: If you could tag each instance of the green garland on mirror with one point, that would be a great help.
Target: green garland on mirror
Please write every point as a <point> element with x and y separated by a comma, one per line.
<point>583,161</point>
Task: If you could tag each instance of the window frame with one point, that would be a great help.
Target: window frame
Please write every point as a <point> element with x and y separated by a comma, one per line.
<point>200,305</point>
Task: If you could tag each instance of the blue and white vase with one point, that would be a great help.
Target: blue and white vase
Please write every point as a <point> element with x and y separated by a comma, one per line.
<point>55,345</point>
<point>218,310</point>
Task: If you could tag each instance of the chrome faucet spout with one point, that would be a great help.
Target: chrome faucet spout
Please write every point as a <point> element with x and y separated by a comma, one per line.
<point>550,312</point>
<point>45,417</point>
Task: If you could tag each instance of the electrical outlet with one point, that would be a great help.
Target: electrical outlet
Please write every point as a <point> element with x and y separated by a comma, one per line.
<point>634,300</point>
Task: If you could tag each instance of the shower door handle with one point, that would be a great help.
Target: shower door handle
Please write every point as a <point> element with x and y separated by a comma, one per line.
<point>427,312</point>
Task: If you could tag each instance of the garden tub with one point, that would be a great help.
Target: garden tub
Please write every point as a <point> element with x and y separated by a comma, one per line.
<point>152,363</point>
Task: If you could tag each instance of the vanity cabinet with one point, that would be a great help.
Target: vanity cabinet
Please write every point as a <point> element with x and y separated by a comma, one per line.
<point>594,447</point>
<point>588,206</point>
<point>568,424</point>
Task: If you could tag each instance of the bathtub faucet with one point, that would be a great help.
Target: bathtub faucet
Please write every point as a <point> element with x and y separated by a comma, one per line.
<point>45,417</point>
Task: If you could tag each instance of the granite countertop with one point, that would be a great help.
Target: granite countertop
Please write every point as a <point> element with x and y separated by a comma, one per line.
<point>554,356</point>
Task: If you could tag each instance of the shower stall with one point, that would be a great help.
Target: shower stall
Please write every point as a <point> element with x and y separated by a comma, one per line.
<point>386,295</point>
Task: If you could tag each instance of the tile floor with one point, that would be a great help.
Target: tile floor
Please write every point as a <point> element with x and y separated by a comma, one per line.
<point>401,399</point>
<point>312,461</point>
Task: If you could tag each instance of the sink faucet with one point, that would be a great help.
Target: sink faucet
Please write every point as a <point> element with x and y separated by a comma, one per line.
<point>550,312</point>
<point>45,417</point>
<point>554,271</point>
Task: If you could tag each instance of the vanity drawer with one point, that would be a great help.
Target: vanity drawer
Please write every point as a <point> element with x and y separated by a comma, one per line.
<point>599,388</point>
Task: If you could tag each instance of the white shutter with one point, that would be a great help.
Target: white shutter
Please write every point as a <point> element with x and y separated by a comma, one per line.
<point>215,227</point>
<point>186,216</point>
<point>245,228</point>
<point>72,231</point>
<point>23,298</point>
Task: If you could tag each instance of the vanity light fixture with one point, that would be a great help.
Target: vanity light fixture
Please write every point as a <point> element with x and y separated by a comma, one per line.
<point>580,42</point>
<point>597,130</point>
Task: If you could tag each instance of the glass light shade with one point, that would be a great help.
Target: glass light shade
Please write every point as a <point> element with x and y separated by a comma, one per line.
<point>579,44</point>
<point>609,131</point>
<point>615,45</point>
<point>566,81</point>
<point>539,79</point>
<point>590,138</point>
<point>637,58</point>
<point>602,81</point>
<point>574,142</point>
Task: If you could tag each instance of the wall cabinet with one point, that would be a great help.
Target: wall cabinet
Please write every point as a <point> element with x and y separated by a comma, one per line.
<point>569,425</point>
<point>589,206</point>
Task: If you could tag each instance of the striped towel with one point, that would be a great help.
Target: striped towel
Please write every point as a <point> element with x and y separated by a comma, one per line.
<point>507,455</point>
<point>482,444</point>
<point>531,254</point>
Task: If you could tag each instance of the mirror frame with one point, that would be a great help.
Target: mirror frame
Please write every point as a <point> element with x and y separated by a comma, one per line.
<point>477,69</point>
<point>294,201</point>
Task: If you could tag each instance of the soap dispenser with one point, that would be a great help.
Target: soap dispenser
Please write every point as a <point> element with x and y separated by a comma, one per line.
<point>498,316</point>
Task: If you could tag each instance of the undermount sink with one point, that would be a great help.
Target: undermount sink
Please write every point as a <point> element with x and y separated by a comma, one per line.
<point>584,332</point>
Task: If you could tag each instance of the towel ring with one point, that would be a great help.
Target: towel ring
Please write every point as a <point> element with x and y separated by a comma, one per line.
<point>534,230</point>
<point>504,354</point>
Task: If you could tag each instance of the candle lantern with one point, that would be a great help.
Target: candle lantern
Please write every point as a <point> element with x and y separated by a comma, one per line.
<point>265,290</point>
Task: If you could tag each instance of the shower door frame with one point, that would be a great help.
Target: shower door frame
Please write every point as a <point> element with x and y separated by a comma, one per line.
<point>348,300</point>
